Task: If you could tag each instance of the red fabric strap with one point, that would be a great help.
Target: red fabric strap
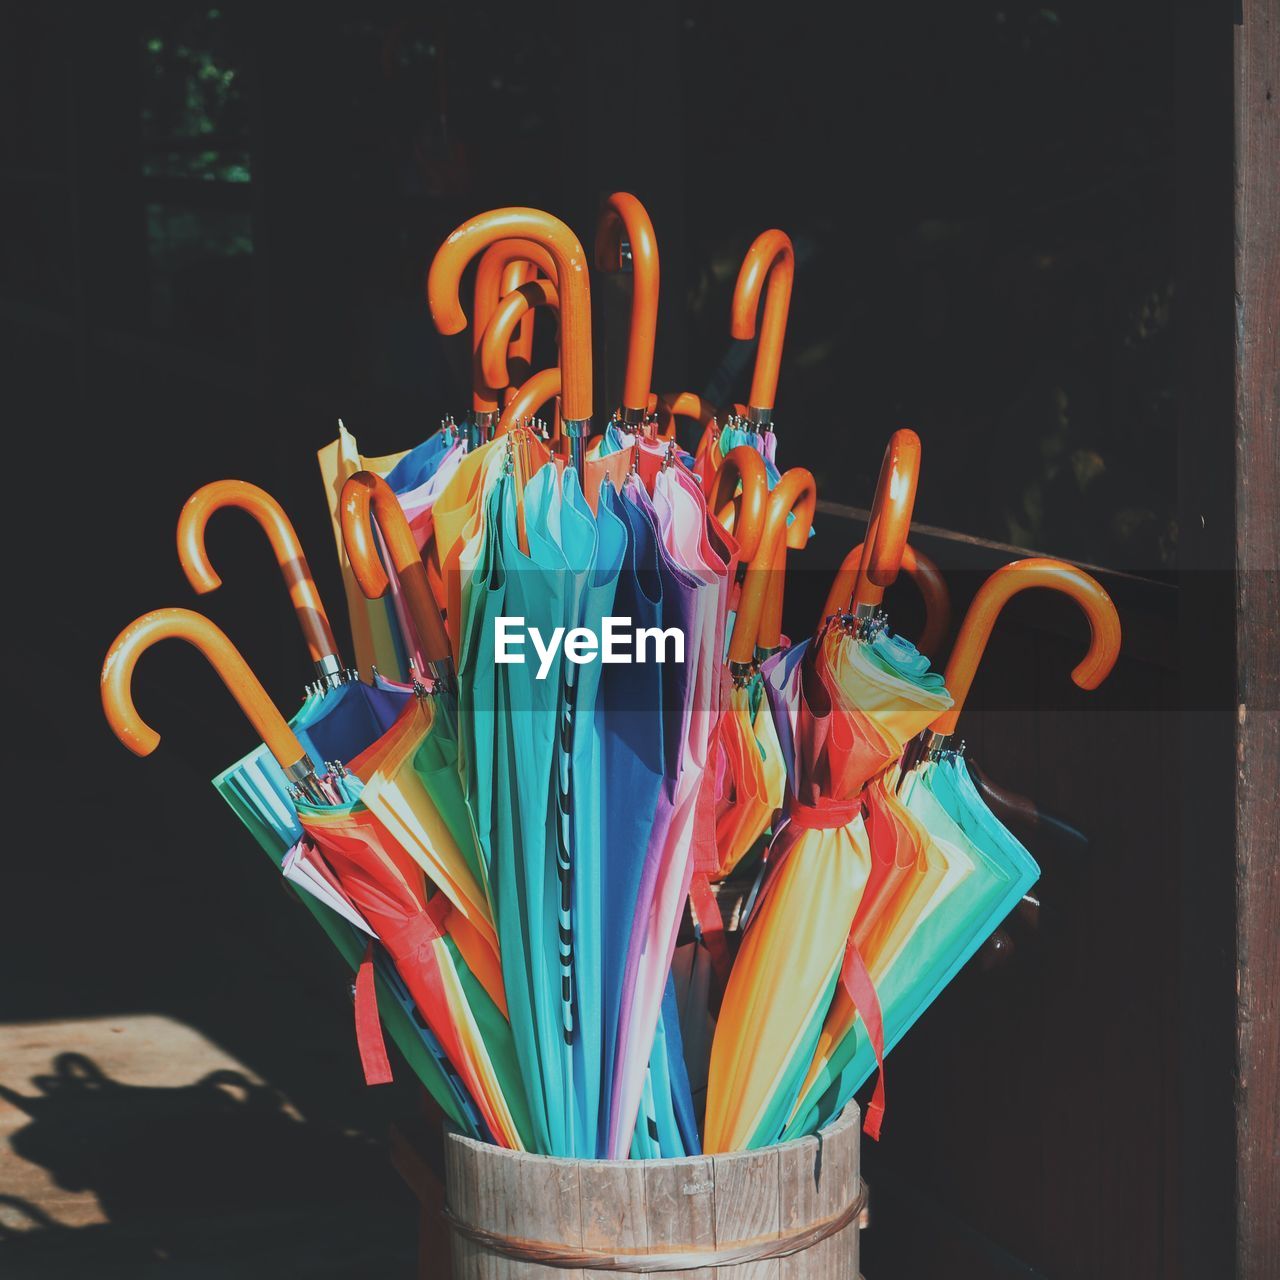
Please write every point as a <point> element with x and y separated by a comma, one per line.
<point>373,1050</point>
<point>707,916</point>
<point>419,930</point>
<point>826,815</point>
<point>861,990</point>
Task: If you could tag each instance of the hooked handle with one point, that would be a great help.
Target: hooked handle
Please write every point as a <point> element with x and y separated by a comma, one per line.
<point>184,624</point>
<point>194,556</point>
<point>890,521</point>
<point>368,499</point>
<point>476,235</point>
<point>996,592</point>
<point>625,218</point>
<point>498,341</point>
<point>521,348</point>
<point>743,464</point>
<point>770,266</point>
<point>538,390</point>
<point>795,494</point>
<point>929,581</point>
<point>494,265</point>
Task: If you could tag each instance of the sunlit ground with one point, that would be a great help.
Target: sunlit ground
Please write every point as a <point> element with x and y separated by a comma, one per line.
<point>134,1146</point>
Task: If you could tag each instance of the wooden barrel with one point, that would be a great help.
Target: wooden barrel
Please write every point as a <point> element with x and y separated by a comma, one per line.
<point>784,1212</point>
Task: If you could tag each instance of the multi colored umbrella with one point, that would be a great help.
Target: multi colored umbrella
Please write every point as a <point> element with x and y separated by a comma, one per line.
<point>694,584</point>
<point>340,716</point>
<point>370,834</point>
<point>861,699</point>
<point>942,800</point>
<point>752,774</point>
<point>419,1045</point>
<point>376,626</point>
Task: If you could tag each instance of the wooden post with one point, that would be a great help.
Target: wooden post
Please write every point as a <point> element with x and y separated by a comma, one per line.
<point>1257,422</point>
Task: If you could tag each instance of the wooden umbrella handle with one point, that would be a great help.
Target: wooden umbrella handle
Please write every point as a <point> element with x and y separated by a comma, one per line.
<point>521,349</point>
<point>184,624</point>
<point>494,263</point>
<point>796,493</point>
<point>686,404</point>
<point>368,499</point>
<point>996,592</point>
<point>625,218</point>
<point>476,235</point>
<point>769,267</point>
<point>194,556</point>
<point>537,391</point>
<point>499,338</point>
<point>890,521</point>
<point>928,579</point>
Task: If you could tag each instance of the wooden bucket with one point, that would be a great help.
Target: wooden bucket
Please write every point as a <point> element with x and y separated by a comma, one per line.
<point>784,1213</point>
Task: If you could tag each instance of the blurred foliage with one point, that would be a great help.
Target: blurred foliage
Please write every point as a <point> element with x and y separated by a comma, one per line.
<point>194,114</point>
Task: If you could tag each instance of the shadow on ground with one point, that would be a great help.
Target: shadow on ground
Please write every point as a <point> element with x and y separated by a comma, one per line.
<point>216,1178</point>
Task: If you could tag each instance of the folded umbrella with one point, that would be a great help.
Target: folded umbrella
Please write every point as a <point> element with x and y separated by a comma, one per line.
<point>374,624</point>
<point>753,767</point>
<point>340,716</point>
<point>941,799</point>
<point>696,583</point>
<point>345,822</point>
<point>416,1041</point>
<point>859,705</point>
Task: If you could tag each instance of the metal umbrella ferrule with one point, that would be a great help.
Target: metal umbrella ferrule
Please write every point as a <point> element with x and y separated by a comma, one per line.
<point>761,419</point>
<point>576,431</point>
<point>330,672</point>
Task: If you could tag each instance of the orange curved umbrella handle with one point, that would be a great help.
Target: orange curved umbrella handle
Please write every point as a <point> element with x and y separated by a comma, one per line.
<point>367,498</point>
<point>625,218</point>
<point>194,557</point>
<point>890,521</point>
<point>184,624</point>
<point>770,265</point>
<point>746,465</point>
<point>476,235</point>
<point>996,592</point>
<point>686,404</point>
<point>769,636</point>
<point>795,493</point>
<point>543,387</point>
<point>521,348</point>
<point>928,579</point>
<point>494,264</point>
<point>498,341</point>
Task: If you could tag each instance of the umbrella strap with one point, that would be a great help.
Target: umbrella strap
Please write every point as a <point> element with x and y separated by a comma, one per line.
<point>862,991</point>
<point>707,914</point>
<point>419,930</point>
<point>373,1049</point>
<point>828,815</point>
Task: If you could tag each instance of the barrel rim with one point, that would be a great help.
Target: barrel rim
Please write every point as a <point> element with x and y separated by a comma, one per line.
<point>848,1118</point>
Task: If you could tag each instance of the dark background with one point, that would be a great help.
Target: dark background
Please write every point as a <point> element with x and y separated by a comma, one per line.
<point>220,217</point>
